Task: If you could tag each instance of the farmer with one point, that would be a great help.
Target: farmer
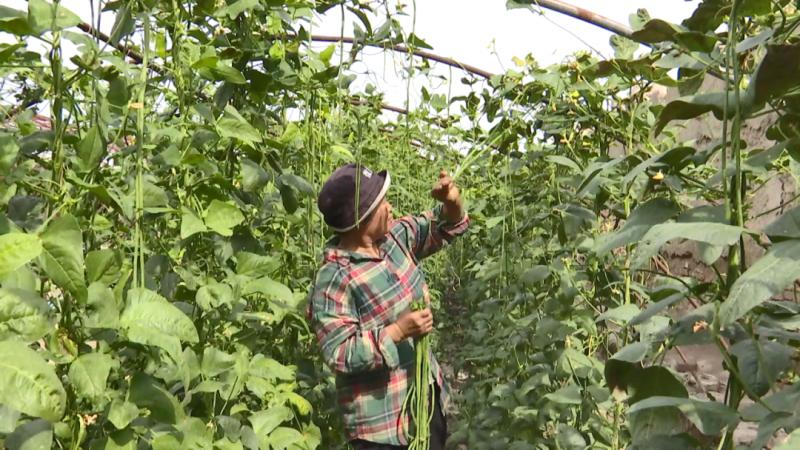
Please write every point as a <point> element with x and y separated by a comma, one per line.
<point>360,303</point>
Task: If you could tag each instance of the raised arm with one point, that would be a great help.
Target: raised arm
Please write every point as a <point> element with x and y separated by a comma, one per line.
<point>426,234</point>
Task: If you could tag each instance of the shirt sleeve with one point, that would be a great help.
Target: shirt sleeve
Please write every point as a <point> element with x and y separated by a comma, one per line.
<point>426,234</point>
<point>347,348</point>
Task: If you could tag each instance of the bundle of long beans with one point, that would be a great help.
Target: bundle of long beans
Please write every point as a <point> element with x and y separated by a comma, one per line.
<point>418,399</point>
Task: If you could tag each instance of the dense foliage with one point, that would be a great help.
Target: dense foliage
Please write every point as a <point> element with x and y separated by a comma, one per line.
<point>158,231</point>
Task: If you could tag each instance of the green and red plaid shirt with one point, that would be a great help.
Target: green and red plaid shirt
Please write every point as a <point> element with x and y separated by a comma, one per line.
<point>354,299</point>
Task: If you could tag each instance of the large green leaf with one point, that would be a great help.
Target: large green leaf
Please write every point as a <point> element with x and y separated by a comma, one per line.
<point>264,422</point>
<point>640,221</point>
<point>761,362</point>
<point>24,315</point>
<point>190,223</point>
<point>88,375</point>
<point>212,296</point>
<point>62,255</point>
<point>92,149</point>
<point>103,266</point>
<point>29,384</point>
<point>222,217</point>
<point>233,125</point>
<point>697,105</point>
<point>768,276</point>
<point>15,22</point>
<point>44,16</point>
<point>216,361</point>
<point>101,307</point>
<point>148,393</point>
<point>777,73</point>
<point>34,435</point>
<point>16,249</point>
<point>121,413</point>
<point>785,226</point>
<point>709,417</point>
<point>707,232</point>
<point>150,319</point>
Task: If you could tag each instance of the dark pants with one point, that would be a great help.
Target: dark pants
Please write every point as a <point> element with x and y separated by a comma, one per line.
<point>438,432</point>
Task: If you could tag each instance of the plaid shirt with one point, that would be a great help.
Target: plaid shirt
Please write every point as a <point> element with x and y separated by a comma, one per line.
<point>354,299</point>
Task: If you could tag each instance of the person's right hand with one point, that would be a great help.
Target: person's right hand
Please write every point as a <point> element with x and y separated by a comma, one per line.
<point>412,324</point>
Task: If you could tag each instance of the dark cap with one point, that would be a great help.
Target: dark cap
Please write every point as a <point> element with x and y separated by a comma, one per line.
<point>337,198</point>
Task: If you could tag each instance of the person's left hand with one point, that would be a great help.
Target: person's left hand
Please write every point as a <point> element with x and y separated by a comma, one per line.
<point>445,190</point>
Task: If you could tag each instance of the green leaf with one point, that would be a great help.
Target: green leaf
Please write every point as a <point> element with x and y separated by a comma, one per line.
<point>253,176</point>
<point>212,296</point>
<point>288,198</point>
<point>696,42</point>
<point>270,369</point>
<point>656,30</point>
<point>92,149</point>
<point>216,361</point>
<point>16,249</point>
<point>568,438</point>
<point>24,315</point>
<point>147,393</point>
<point>124,24</point>
<point>563,161</point>
<point>535,274</point>
<point>632,353</point>
<point>101,307</point>
<point>150,319</point>
<point>264,422</point>
<point>707,232</point>
<point>34,435</point>
<point>777,73</point>
<point>224,72</point>
<point>253,265</point>
<point>640,221</point>
<point>29,384</point>
<point>103,266</point>
<point>785,226</point>
<point>768,276</point>
<point>567,395</point>
<point>120,440</point>
<point>233,10</point>
<point>8,419</point>
<point>709,417</point>
<point>62,255</point>
<point>15,22</point>
<point>620,315</point>
<point>298,183</point>
<point>232,125</point>
<point>9,149</point>
<point>44,16</point>
<point>190,223</point>
<point>697,105</point>
<point>221,217</point>
<point>121,413</point>
<point>761,363</point>
<point>283,438</point>
<point>270,289</point>
<point>88,375</point>
<point>755,7</point>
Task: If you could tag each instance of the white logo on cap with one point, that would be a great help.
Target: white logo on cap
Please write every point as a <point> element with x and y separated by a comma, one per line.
<point>366,172</point>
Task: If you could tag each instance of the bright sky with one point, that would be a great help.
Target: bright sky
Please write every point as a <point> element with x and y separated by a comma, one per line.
<point>482,33</point>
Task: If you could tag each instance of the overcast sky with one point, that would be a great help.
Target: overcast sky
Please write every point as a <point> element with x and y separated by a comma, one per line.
<point>482,33</point>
